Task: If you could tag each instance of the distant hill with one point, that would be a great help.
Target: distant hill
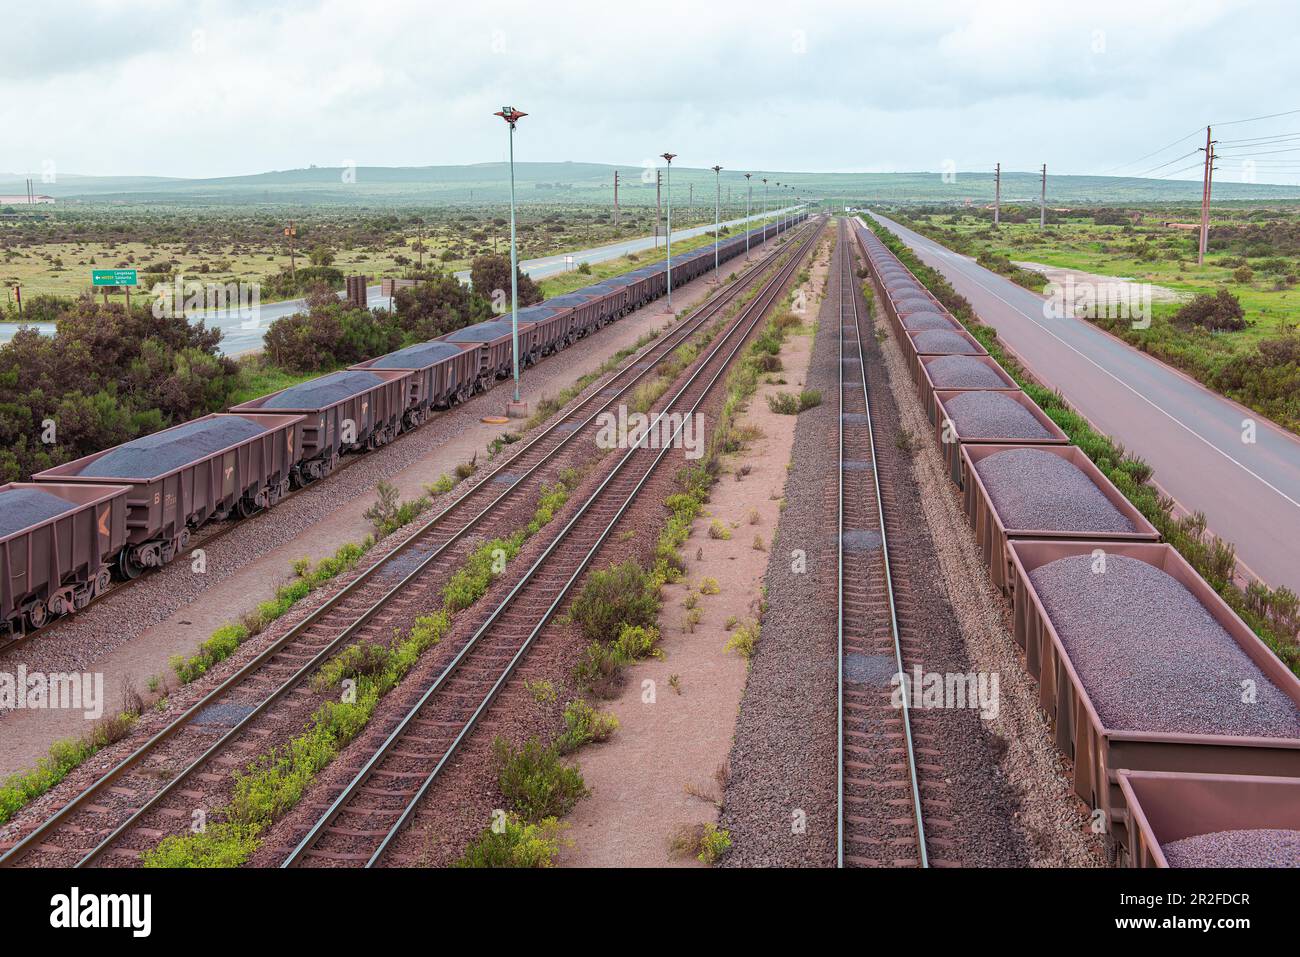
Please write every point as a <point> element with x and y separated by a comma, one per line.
<point>568,182</point>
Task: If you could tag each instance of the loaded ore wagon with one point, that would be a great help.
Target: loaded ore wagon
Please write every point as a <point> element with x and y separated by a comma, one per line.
<point>1142,666</point>
<point>443,375</point>
<point>491,343</point>
<point>346,411</point>
<point>1211,820</point>
<point>183,477</point>
<point>58,544</point>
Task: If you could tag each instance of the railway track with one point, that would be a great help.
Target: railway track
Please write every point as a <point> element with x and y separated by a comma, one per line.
<point>362,822</point>
<point>884,779</point>
<point>126,806</point>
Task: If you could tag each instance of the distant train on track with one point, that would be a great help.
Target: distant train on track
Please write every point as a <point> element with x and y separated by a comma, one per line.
<point>116,513</point>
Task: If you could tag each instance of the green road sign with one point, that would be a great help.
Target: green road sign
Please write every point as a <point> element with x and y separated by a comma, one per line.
<point>113,277</point>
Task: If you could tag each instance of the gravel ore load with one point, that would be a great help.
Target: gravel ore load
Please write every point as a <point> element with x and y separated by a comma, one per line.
<point>964,372</point>
<point>944,341</point>
<point>162,452</point>
<point>992,415</point>
<point>418,356</point>
<point>1152,657</point>
<point>913,304</point>
<point>325,391</point>
<point>24,507</point>
<point>481,331</point>
<point>1261,847</point>
<point>924,321</point>
<point>1033,489</point>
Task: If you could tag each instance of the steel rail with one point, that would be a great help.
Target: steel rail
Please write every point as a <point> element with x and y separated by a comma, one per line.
<point>848,290</point>
<point>665,346</point>
<point>752,314</point>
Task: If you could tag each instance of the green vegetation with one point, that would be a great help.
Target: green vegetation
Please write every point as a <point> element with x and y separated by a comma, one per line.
<point>274,783</point>
<point>535,781</point>
<point>306,579</point>
<point>65,755</point>
<point>516,843</point>
<point>1234,326</point>
<point>1274,615</point>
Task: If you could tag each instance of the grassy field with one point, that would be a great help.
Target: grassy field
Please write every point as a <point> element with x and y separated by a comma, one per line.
<point>1145,251</point>
<point>55,255</point>
<point>1253,254</point>
<point>576,279</point>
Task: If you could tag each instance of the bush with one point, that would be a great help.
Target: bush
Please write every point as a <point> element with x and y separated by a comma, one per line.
<point>584,725</point>
<point>516,844</point>
<point>1217,313</point>
<point>617,596</point>
<point>536,782</point>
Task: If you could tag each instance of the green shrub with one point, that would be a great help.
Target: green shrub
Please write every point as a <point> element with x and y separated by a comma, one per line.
<point>584,725</point>
<point>620,595</point>
<point>516,844</point>
<point>535,782</point>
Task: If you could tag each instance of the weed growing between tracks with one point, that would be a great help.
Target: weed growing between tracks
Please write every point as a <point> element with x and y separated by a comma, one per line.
<point>274,783</point>
<point>1273,614</point>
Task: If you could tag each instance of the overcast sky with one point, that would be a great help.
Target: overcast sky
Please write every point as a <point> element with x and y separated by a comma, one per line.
<point>225,87</point>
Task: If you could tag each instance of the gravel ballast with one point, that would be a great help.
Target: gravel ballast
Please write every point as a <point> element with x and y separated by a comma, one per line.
<point>24,507</point>
<point>1163,663</point>
<point>944,342</point>
<point>1034,489</point>
<point>992,415</point>
<point>1262,847</point>
<point>172,449</point>
<point>964,372</point>
<point>418,356</point>
<point>325,391</point>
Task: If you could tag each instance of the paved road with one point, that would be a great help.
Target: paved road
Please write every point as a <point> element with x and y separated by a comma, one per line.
<point>1193,438</point>
<point>244,333</point>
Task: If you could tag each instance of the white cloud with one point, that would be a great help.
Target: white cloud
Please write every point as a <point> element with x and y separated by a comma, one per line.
<point>224,87</point>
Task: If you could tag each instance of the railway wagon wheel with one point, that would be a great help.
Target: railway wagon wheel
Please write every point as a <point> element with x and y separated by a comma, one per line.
<point>37,615</point>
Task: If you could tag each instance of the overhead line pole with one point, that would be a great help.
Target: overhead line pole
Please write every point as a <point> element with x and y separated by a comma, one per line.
<point>717,218</point>
<point>749,201</point>
<point>668,234</point>
<point>1205,199</point>
<point>1042,201</point>
<point>997,195</point>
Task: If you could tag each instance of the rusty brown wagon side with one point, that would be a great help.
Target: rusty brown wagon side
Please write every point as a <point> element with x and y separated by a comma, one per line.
<point>991,533</point>
<point>165,507</point>
<point>1161,807</point>
<point>1098,752</point>
<point>62,562</point>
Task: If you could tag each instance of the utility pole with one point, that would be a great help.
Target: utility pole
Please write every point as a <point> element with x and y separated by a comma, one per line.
<point>668,235</point>
<point>615,197</point>
<point>1042,201</point>
<point>515,409</point>
<point>717,218</point>
<point>291,231</point>
<point>749,201</point>
<point>690,199</point>
<point>659,203</point>
<point>1205,199</point>
<point>764,209</point>
<point>997,195</point>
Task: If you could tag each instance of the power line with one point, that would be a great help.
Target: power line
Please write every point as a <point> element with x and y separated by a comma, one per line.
<point>1254,119</point>
<point>1169,163</point>
<point>1194,132</point>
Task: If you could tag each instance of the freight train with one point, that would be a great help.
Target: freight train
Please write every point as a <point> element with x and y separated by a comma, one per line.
<point>1182,726</point>
<point>119,512</point>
